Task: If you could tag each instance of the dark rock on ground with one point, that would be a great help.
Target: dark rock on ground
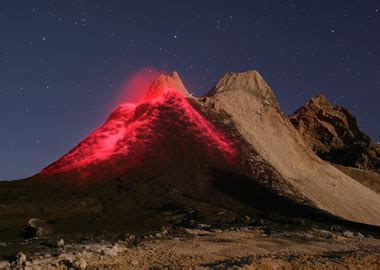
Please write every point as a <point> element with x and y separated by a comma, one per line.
<point>36,228</point>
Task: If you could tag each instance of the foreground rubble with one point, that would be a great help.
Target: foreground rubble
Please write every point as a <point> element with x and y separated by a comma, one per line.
<point>200,246</point>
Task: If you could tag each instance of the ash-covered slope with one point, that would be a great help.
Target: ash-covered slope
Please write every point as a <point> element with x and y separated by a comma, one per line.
<point>333,134</point>
<point>253,108</point>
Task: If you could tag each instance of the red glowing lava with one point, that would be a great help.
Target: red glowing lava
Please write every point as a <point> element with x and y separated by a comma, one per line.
<point>164,127</point>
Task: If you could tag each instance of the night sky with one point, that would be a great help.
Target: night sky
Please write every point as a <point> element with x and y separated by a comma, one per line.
<point>62,63</point>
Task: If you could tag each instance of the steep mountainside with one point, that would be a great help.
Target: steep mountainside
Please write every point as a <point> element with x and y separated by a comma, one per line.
<point>253,108</point>
<point>334,135</point>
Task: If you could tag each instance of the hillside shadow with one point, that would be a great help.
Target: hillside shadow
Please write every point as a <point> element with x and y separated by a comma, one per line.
<point>252,193</point>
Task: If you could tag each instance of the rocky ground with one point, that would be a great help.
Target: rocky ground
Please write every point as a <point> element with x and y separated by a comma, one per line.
<point>260,244</point>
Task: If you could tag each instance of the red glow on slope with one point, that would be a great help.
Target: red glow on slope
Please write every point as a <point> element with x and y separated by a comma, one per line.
<point>134,89</point>
<point>161,129</point>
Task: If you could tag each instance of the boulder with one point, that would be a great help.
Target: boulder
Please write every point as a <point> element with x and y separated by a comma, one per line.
<point>80,263</point>
<point>4,264</point>
<point>348,234</point>
<point>61,243</point>
<point>36,228</point>
<point>21,259</point>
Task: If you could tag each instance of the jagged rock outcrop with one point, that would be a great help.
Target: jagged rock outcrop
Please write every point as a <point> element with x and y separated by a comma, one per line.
<point>334,135</point>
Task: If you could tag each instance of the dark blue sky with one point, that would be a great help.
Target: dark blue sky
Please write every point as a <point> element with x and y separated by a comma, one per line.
<point>62,62</point>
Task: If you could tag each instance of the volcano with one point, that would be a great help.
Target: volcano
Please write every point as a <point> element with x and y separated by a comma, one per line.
<point>229,153</point>
<point>164,127</point>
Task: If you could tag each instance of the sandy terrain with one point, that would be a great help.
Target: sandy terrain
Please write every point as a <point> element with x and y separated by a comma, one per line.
<point>249,250</point>
<point>269,246</point>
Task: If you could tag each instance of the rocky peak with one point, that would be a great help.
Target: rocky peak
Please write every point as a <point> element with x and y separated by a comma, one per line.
<point>333,133</point>
<point>166,82</point>
<point>250,82</point>
<point>319,100</point>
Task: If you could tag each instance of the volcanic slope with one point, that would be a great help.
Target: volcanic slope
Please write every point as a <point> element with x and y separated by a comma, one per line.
<point>164,128</point>
<point>250,102</point>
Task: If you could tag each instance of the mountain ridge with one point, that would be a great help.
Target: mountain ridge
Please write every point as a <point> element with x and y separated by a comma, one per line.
<point>250,104</point>
<point>226,154</point>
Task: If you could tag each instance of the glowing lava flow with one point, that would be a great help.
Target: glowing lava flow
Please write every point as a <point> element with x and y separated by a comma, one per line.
<point>161,128</point>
